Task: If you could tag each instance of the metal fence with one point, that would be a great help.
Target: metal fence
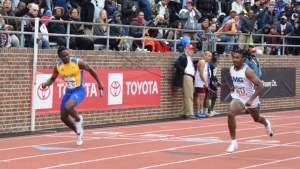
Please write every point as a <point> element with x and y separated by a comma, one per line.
<point>208,45</point>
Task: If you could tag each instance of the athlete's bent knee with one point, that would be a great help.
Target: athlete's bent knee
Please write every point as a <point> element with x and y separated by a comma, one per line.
<point>256,120</point>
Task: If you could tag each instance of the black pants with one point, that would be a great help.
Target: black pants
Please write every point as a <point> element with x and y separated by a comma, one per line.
<point>113,43</point>
<point>84,43</point>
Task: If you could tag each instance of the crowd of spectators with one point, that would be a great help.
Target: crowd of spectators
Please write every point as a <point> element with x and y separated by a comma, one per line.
<point>224,21</point>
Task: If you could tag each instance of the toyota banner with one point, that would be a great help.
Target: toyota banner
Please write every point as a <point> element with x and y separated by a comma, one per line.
<point>277,82</point>
<point>123,88</point>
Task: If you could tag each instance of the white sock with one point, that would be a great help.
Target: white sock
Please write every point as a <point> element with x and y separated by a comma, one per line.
<point>205,110</point>
<point>233,142</point>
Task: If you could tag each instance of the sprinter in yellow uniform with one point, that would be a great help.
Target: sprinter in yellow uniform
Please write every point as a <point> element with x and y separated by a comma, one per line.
<point>71,70</point>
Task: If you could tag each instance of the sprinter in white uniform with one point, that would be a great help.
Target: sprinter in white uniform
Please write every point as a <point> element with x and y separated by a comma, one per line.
<point>244,95</point>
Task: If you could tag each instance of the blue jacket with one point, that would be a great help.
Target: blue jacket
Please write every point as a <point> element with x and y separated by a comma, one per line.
<point>289,29</point>
<point>254,66</point>
<point>146,8</point>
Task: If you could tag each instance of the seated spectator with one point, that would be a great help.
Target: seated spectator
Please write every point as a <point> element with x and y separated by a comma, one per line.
<point>263,39</point>
<point>111,7</point>
<point>81,43</point>
<point>204,36</point>
<point>29,26</point>
<point>116,31</point>
<point>149,42</point>
<point>274,40</point>
<point>101,30</point>
<point>231,27</point>
<point>158,22</point>
<point>137,32</point>
<point>59,28</point>
<point>161,9</point>
<point>288,10</point>
<point>8,11</point>
<point>5,39</point>
<point>171,35</point>
<point>21,5</point>
<point>279,5</point>
<point>220,20</point>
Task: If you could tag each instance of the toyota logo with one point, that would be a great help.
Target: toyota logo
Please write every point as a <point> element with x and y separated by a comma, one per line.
<point>115,88</point>
<point>43,94</point>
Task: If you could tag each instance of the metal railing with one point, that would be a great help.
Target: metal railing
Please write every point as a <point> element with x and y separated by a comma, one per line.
<point>212,41</point>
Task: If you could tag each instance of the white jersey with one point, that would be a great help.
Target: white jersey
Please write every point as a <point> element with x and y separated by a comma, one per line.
<point>243,87</point>
<point>198,81</point>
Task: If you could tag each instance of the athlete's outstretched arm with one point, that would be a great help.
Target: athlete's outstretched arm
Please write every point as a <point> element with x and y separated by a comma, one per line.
<point>255,80</point>
<point>52,78</point>
<point>87,67</point>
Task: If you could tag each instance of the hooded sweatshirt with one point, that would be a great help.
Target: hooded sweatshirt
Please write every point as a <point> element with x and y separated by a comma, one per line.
<point>257,39</point>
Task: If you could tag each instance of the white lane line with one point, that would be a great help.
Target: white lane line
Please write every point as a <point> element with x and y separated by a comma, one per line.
<point>152,124</point>
<point>276,161</point>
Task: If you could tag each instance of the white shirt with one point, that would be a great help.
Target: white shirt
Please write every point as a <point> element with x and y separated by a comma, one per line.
<point>198,81</point>
<point>243,87</point>
<point>190,69</point>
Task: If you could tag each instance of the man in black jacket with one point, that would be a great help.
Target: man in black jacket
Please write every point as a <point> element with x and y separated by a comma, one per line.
<point>130,10</point>
<point>248,22</point>
<point>184,78</point>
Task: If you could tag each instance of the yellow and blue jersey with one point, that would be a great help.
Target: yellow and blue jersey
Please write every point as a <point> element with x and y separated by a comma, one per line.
<point>71,73</point>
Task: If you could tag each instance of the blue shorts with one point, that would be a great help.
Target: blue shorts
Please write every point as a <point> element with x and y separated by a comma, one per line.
<point>77,94</point>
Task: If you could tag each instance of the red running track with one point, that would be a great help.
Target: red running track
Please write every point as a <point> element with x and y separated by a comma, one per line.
<point>185,144</point>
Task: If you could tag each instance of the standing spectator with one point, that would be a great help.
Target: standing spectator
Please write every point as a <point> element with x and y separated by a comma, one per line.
<point>264,3</point>
<point>279,5</point>
<point>237,6</point>
<point>248,23</point>
<point>189,17</point>
<point>286,29</point>
<point>256,8</point>
<point>267,18</point>
<point>296,41</point>
<point>253,63</point>
<point>208,8</point>
<point>223,6</point>
<point>77,29</point>
<point>29,26</point>
<point>87,13</point>
<point>184,76</point>
<point>272,40</point>
<point>145,7</point>
<point>247,5</point>
<point>214,82</point>
<point>288,10</point>
<point>220,20</point>
<point>161,9</point>
<point>130,10</point>
<point>175,7</point>
<point>111,7</point>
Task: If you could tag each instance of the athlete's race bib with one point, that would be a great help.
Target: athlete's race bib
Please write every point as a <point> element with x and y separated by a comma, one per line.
<point>240,90</point>
<point>70,83</point>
